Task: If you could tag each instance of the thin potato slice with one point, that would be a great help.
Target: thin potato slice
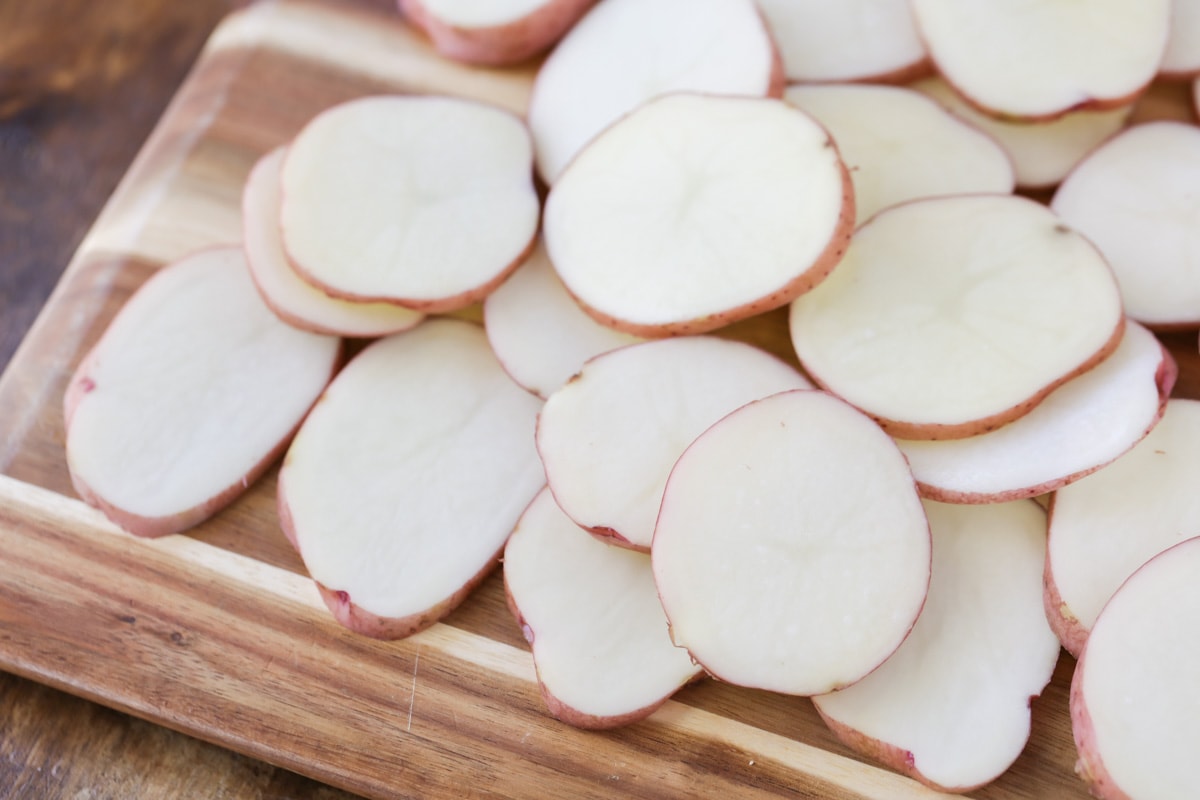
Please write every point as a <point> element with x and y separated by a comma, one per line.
<point>403,484</point>
<point>696,211</point>
<point>951,316</point>
<point>192,392</point>
<point>792,552</point>
<point>591,614</point>
<point>425,202</point>
<point>1135,708</point>
<point>939,709</point>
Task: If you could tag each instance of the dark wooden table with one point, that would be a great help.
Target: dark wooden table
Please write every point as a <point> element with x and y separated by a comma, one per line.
<point>81,85</point>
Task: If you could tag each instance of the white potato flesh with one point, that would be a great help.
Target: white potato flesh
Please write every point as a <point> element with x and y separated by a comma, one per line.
<point>1036,59</point>
<point>1136,198</point>
<point>482,13</point>
<point>591,614</point>
<point>1042,153</point>
<point>695,211</point>
<point>538,331</point>
<point>1182,58</point>
<point>939,709</point>
<point>850,40</point>
<point>407,478</point>
<point>421,201</point>
<point>1135,701</point>
<point>609,437</point>
<point>792,552</point>
<point>899,145</point>
<point>189,395</point>
<point>1080,426</point>
<point>493,32</point>
<point>625,52</point>
<point>950,316</point>
<point>1108,524</point>
<point>294,300</point>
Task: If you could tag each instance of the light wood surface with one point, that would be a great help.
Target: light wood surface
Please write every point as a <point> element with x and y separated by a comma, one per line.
<point>220,635</point>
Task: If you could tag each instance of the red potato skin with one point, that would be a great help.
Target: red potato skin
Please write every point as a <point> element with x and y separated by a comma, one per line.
<point>818,271</point>
<point>358,619</point>
<point>500,45</point>
<point>1168,372</point>
<point>1090,768</point>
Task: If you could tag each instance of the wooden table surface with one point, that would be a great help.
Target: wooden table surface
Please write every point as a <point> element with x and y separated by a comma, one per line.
<point>81,85</point>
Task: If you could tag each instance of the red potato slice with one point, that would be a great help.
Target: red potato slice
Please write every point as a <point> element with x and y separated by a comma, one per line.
<point>1105,526</point>
<point>938,709</point>
<point>1080,426</point>
<point>1135,712</point>
<point>1039,60</point>
<point>293,300</point>
<point>792,552</point>
<point>851,40</point>
<point>192,392</point>
<point>625,52</point>
<point>1182,57</point>
<point>609,437</point>
<point>403,484</point>
<point>425,202</point>
<point>899,145</point>
<point>1136,198</point>
<point>538,331</point>
<point>1042,153</point>
<point>591,614</point>
<point>949,317</point>
<point>494,33</point>
<point>697,211</point>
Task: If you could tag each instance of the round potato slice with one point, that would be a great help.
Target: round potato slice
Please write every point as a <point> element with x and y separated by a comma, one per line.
<point>792,552</point>
<point>425,202</point>
<point>1136,198</point>
<point>696,211</point>
<point>1135,713</point>
<point>494,33</point>
<point>951,316</point>
<point>899,145</point>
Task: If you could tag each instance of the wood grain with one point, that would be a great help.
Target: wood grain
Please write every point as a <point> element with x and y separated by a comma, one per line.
<point>220,635</point>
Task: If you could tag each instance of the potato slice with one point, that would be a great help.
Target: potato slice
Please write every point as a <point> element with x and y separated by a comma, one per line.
<point>191,393</point>
<point>1105,526</point>
<point>538,331</point>
<point>609,437</point>
<point>696,211</point>
<point>293,300</point>
<point>591,614</point>
<point>625,52</point>
<point>1080,426</point>
<point>494,33</point>
<point>1135,714</point>
<point>899,145</point>
<point>951,316</point>
<point>1136,198</point>
<point>1182,58</point>
<point>1039,60</point>
<point>850,40</point>
<point>939,710</point>
<point>792,552</point>
<point>425,202</point>
<point>1042,152</point>
<point>403,484</point>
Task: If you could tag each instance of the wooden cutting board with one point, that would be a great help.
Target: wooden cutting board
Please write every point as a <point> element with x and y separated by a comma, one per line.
<point>219,634</point>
